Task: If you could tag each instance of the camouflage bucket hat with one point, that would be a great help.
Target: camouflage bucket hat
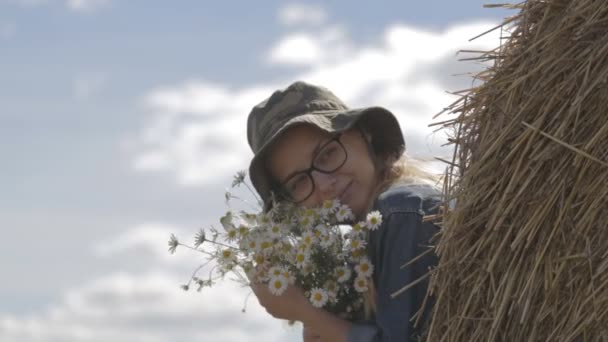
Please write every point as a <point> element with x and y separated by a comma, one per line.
<point>303,103</point>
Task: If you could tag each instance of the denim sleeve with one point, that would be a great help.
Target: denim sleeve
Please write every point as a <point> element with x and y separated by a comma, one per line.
<point>402,237</point>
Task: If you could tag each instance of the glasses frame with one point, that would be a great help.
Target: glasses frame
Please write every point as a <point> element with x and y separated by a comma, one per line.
<point>309,170</point>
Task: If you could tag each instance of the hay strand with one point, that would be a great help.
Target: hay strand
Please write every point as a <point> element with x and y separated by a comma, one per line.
<point>523,255</point>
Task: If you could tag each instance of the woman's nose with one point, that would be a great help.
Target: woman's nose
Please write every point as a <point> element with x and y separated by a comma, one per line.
<point>324,182</point>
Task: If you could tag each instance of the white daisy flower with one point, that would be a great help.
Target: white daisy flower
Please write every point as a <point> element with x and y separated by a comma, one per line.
<point>243,230</point>
<point>276,230</point>
<point>343,274</point>
<point>344,213</point>
<point>301,259</point>
<point>374,220</point>
<point>329,207</point>
<point>307,222</point>
<point>266,245</point>
<point>332,290</point>
<point>364,268</point>
<point>357,243</point>
<point>291,279</point>
<point>227,254</point>
<point>260,259</point>
<point>356,256</point>
<point>227,258</point>
<point>275,271</point>
<point>361,284</point>
<point>277,285</point>
<point>359,227</point>
<point>326,240</point>
<point>263,219</point>
<point>231,233</point>
<point>308,238</point>
<point>251,244</point>
<point>318,297</point>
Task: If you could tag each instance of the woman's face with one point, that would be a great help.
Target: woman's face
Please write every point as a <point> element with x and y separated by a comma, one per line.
<point>353,183</point>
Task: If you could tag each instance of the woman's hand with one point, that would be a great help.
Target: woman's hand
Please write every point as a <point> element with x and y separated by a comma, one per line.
<point>294,306</point>
<point>290,305</point>
<point>309,335</point>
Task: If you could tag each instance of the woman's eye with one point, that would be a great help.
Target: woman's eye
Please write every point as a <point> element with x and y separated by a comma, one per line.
<point>327,154</point>
<point>297,183</point>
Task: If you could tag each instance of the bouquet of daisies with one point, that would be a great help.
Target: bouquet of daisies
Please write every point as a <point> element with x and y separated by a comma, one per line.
<point>322,250</point>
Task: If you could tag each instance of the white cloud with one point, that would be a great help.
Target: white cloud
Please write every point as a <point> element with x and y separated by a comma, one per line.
<point>297,49</point>
<point>198,131</point>
<point>196,123</point>
<point>298,13</point>
<point>125,307</point>
<point>147,240</point>
<point>330,45</point>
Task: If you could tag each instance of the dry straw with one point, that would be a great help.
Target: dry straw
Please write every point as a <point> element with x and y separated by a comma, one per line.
<point>524,254</point>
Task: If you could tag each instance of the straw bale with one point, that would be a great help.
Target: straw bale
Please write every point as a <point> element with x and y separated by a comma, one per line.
<point>523,254</point>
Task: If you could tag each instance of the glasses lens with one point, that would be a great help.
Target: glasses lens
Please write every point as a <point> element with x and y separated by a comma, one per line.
<point>299,187</point>
<point>330,157</point>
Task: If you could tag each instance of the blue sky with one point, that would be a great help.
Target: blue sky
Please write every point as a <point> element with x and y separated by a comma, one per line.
<point>122,121</point>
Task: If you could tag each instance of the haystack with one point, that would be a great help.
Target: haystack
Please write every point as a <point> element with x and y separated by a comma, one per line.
<point>524,252</point>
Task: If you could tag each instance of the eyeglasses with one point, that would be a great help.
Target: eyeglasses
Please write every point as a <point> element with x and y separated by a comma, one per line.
<point>330,157</point>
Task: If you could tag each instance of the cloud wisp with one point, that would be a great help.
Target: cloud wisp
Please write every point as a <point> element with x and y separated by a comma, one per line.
<point>125,307</point>
<point>197,129</point>
<point>145,302</point>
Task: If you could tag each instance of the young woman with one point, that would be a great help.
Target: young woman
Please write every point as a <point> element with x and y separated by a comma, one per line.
<point>310,147</point>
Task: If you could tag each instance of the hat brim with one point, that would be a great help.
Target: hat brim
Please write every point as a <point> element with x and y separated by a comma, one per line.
<point>380,122</point>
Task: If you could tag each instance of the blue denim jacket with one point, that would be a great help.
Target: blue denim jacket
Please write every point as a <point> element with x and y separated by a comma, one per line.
<point>401,237</point>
